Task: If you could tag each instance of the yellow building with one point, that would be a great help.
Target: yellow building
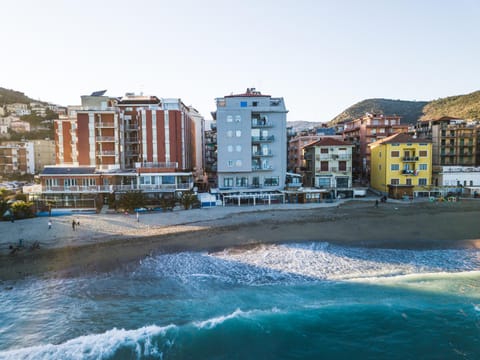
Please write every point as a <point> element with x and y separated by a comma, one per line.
<point>401,165</point>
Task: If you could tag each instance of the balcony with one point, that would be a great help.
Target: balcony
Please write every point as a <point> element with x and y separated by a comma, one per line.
<point>263,138</point>
<point>410,172</point>
<point>105,138</point>
<point>156,165</point>
<point>262,168</point>
<point>119,188</point>
<point>131,140</point>
<point>410,158</point>
<point>106,153</point>
<point>261,123</point>
<point>105,124</point>
<point>262,153</point>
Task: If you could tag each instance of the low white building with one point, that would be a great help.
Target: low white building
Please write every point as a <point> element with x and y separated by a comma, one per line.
<point>456,176</point>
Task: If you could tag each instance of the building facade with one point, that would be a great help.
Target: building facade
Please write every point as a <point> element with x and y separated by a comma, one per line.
<point>329,165</point>
<point>401,165</point>
<point>251,141</point>
<point>17,158</point>
<point>365,130</point>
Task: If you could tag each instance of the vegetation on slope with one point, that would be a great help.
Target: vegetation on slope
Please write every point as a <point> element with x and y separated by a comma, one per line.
<point>8,96</point>
<point>410,111</point>
<point>460,106</point>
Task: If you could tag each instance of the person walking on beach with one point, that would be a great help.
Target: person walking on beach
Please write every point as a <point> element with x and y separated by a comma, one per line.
<point>73,224</point>
<point>138,217</point>
<point>49,224</point>
<point>376,203</point>
<point>77,222</point>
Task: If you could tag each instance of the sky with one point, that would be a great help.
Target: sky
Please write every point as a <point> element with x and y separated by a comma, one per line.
<point>320,56</point>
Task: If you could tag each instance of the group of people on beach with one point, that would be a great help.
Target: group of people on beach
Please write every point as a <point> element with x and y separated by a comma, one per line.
<point>75,224</point>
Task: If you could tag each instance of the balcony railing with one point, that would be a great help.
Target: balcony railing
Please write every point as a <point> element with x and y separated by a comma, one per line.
<point>262,168</point>
<point>262,153</point>
<point>105,138</point>
<point>105,124</point>
<point>410,158</point>
<point>106,153</point>
<point>262,138</point>
<point>120,188</point>
<point>258,123</point>
<point>130,140</point>
<point>157,165</point>
<point>410,172</point>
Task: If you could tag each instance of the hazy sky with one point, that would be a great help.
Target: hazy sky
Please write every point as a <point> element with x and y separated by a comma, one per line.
<point>321,56</point>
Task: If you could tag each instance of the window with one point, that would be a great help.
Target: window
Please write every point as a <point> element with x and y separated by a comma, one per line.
<point>342,166</point>
<point>241,181</point>
<point>324,151</point>
<point>395,181</point>
<point>168,179</point>
<point>409,181</point>
<point>229,118</point>
<point>422,153</point>
<point>255,181</point>
<point>395,154</point>
<point>422,167</point>
<point>229,133</point>
<point>230,163</point>
<point>271,181</point>
<point>238,118</point>
<point>243,104</point>
<point>422,181</point>
<point>228,182</point>
<point>394,167</point>
<point>380,167</point>
<point>238,148</point>
<point>238,163</point>
<point>238,133</point>
<point>323,165</point>
<point>323,182</point>
<point>254,103</point>
<point>230,148</point>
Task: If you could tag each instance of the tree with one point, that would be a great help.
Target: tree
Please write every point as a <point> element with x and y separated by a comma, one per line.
<point>132,200</point>
<point>188,199</point>
<point>22,209</point>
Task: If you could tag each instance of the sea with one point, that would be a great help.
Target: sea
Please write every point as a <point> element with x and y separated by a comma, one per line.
<point>284,301</point>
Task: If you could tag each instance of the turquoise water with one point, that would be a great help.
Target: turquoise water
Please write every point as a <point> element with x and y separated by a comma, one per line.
<point>307,301</point>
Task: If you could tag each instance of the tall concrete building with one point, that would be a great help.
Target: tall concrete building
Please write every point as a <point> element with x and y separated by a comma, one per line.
<point>251,141</point>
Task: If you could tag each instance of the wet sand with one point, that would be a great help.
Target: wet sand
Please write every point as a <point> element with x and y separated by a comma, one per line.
<point>104,242</point>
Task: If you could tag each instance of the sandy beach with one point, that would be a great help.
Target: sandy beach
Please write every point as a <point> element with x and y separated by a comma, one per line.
<point>103,242</point>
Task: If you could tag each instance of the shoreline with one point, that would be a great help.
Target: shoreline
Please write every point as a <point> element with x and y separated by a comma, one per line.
<point>419,226</point>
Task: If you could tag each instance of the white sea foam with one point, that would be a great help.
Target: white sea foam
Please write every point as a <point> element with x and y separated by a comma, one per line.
<point>213,322</point>
<point>323,261</point>
<point>95,346</point>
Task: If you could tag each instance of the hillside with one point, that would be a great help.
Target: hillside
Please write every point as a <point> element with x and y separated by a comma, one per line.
<point>8,96</point>
<point>303,125</point>
<point>410,111</point>
<point>460,106</point>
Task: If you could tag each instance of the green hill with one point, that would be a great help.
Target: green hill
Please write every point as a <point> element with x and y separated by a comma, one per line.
<point>8,96</point>
<point>410,111</point>
<point>460,106</point>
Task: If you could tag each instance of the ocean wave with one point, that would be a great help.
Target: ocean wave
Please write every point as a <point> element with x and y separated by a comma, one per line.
<point>213,322</point>
<point>136,343</point>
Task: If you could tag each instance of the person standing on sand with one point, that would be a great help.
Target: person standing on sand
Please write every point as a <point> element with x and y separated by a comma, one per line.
<point>73,224</point>
<point>49,224</point>
<point>138,217</point>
